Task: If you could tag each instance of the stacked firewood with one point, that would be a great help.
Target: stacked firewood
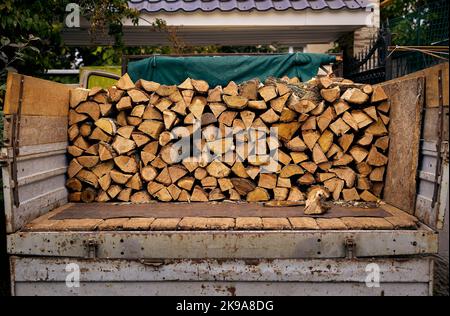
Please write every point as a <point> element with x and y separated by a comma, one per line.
<point>256,142</point>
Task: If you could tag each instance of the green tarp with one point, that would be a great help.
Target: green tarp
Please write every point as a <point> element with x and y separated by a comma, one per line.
<point>219,70</point>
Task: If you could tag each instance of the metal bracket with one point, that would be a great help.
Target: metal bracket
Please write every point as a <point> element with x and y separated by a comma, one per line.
<point>16,120</point>
<point>350,246</point>
<point>438,172</point>
<point>92,247</point>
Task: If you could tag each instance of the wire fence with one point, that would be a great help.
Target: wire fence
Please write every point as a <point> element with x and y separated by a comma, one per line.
<point>424,29</point>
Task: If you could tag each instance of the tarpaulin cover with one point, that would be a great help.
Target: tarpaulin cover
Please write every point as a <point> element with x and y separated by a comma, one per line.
<point>219,70</point>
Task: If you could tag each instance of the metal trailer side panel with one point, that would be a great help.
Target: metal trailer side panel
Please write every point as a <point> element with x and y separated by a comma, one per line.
<point>224,244</point>
<point>48,276</point>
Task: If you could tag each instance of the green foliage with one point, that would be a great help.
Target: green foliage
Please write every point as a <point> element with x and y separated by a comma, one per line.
<point>417,22</point>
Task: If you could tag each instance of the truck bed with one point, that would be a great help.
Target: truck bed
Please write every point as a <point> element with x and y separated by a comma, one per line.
<point>216,216</point>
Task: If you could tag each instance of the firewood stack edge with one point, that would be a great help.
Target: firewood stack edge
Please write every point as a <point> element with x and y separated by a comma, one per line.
<point>255,141</point>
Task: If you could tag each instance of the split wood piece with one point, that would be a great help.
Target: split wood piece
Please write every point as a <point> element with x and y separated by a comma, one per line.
<point>339,127</point>
<point>366,140</point>
<point>126,164</point>
<point>243,186</point>
<point>88,161</point>
<point>122,145</point>
<point>107,125</point>
<point>103,168</point>
<point>367,196</point>
<point>74,184</point>
<point>98,134</point>
<point>75,117</point>
<point>376,158</point>
<point>350,194</point>
<point>384,107</point>
<point>125,131</point>
<point>199,195</point>
<point>302,106</point>
<point>90,108</point>
<point>355,96</point>
<point>152,113</point>
<point>346,174</point>
<point>344,160</point>
<point>258,195</point>
<point>77,96</point>
<point>137,96</point>
<point>378,95</point>
<point>377,174</point>
<point>326,141</point>
<point>249,89</point>
<point>75,151</point>
<point>125,83</point>
<point>291,170</point>
<point>341,107</point>
<point>287,115</point>
<point>377,129</point>
<point>278,104</point>
<point>217,108</point>
<point>88,177</point>
<point>364,168</point>
<point>280,194</point>
<point>152,128</point>
<point>331,94</point>
<point>298,157</point>
<point>295,195</point>
<point>310,124</point>
<point>348,118</point>
<point>358,153</point>
<point>124,104</point>
<point>119,177</point>
<point>270,116</point>
<point>361,118</point>
<point>135,182</point>
<point>310,138</point>
<point>227,118</point>
<point>231,89</point>
<point>314,202</point>
<point>298,145</point>
<point>345,141</point>
<point>268,93</point>
<point>235,102</point>
<point>306,179</point>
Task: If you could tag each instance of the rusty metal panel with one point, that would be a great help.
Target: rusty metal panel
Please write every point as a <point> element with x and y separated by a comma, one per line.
<point>222,244</point>
<point>47,276</point>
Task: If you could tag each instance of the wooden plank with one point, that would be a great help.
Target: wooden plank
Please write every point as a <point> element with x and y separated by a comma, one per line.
<point>367,223</point>
<point>406,97</point>
<point>165,224</point>
<point>112,224</point>
<point>204,223</point>
<point>331,224</point>
<point>249,223</point>
<point>38,130</point>
<point>431,125</point>
<point>40,97</point>
<point>276,223</point>
<point>77,225</point>
<point>303,223</point>
<point>138,224</point>
<point>431,84</point>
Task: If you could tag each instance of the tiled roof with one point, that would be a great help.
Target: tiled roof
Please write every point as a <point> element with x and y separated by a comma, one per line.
<point>244,5</point>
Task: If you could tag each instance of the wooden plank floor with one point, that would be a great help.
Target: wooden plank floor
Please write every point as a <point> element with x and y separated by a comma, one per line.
<point>398,220</point>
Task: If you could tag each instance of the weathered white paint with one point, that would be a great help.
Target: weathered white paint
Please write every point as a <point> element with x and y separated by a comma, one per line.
<point>223,244</point>
<point>46,276</point>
